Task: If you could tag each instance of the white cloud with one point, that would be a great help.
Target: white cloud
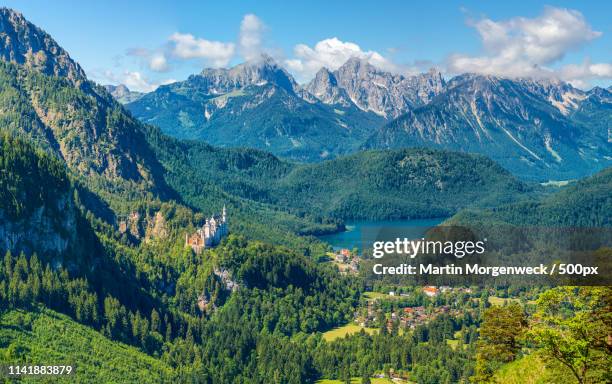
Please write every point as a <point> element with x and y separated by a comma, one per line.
<point>186,46</point>
<point>527,47</point>
<point>134,80</point>
<point>153,60</point>
<point>158,63</point>
<point>250,39</point>
<point>332,53</point>
<point>580,74</point>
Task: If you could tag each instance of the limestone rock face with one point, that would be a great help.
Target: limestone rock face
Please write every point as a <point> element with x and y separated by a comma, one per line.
<point>43,230</point>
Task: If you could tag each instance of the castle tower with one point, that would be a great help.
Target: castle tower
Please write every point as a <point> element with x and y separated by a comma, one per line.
<point>225,222</point>
<point>213,225</point>
<point>206,229</point>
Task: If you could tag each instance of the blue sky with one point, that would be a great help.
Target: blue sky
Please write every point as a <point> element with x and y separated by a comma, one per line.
<point>145,43</point>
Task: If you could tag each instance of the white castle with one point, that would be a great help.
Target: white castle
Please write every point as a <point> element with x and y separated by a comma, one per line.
<point>214,229</point>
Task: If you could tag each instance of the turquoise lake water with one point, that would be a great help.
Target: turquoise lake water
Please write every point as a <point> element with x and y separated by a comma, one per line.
<point>363,233</point>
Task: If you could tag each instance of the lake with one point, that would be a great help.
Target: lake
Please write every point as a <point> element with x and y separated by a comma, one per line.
<point>358,232</point>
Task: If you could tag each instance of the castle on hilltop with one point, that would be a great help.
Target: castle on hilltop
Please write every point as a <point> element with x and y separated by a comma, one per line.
<point>210,234</point>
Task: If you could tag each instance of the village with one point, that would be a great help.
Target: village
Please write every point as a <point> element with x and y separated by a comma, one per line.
<point>405,317</point>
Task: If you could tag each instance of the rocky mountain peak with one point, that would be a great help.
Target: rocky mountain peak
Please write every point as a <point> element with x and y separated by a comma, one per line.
<point>357,65</point>
<point>601,93</point>
<point>560,94</point>
<point>323,84</point>
<point>324,76</point>
<point>325,88</point>
<point>23,43</point>
<point>372,89</point>
<point>122,93</point>
<point>261,71</point>
<point>117,90</point>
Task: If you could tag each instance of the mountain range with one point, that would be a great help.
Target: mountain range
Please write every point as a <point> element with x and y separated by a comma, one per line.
<point>538,129</point>
<point>388,95</point>
<point>255,104</point>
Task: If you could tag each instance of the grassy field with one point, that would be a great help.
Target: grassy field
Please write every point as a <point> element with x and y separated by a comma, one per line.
<point>498,301</point>
<point>345,330</point>
<point>377,296</point>
<point>454,342</point>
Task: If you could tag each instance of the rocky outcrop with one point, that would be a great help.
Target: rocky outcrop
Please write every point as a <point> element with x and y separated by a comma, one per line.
<point>144,226</point>
<point>50,229</point>
<point>325,88</point>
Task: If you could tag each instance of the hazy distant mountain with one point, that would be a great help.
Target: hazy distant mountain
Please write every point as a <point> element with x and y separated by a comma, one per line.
<point>256,104</point>
<point>371,89</point>
<point>536,129</point>
<point>122,93</point>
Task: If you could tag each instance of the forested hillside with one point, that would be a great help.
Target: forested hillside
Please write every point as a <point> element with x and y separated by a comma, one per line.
<point>585,203</point>
<point>411,183</point>
<point>44,335</point>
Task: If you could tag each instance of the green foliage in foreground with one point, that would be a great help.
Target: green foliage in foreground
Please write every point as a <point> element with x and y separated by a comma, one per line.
<point>568,334</point>
<point>530,369</point>
<point>572,328</point>
<point>42,336</point>
<point>500,336</point>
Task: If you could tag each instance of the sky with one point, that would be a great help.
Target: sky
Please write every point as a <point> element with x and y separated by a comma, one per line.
<point>147,43</point>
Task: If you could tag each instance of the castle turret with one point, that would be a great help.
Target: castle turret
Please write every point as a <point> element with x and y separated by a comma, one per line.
<point>206,229</point>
